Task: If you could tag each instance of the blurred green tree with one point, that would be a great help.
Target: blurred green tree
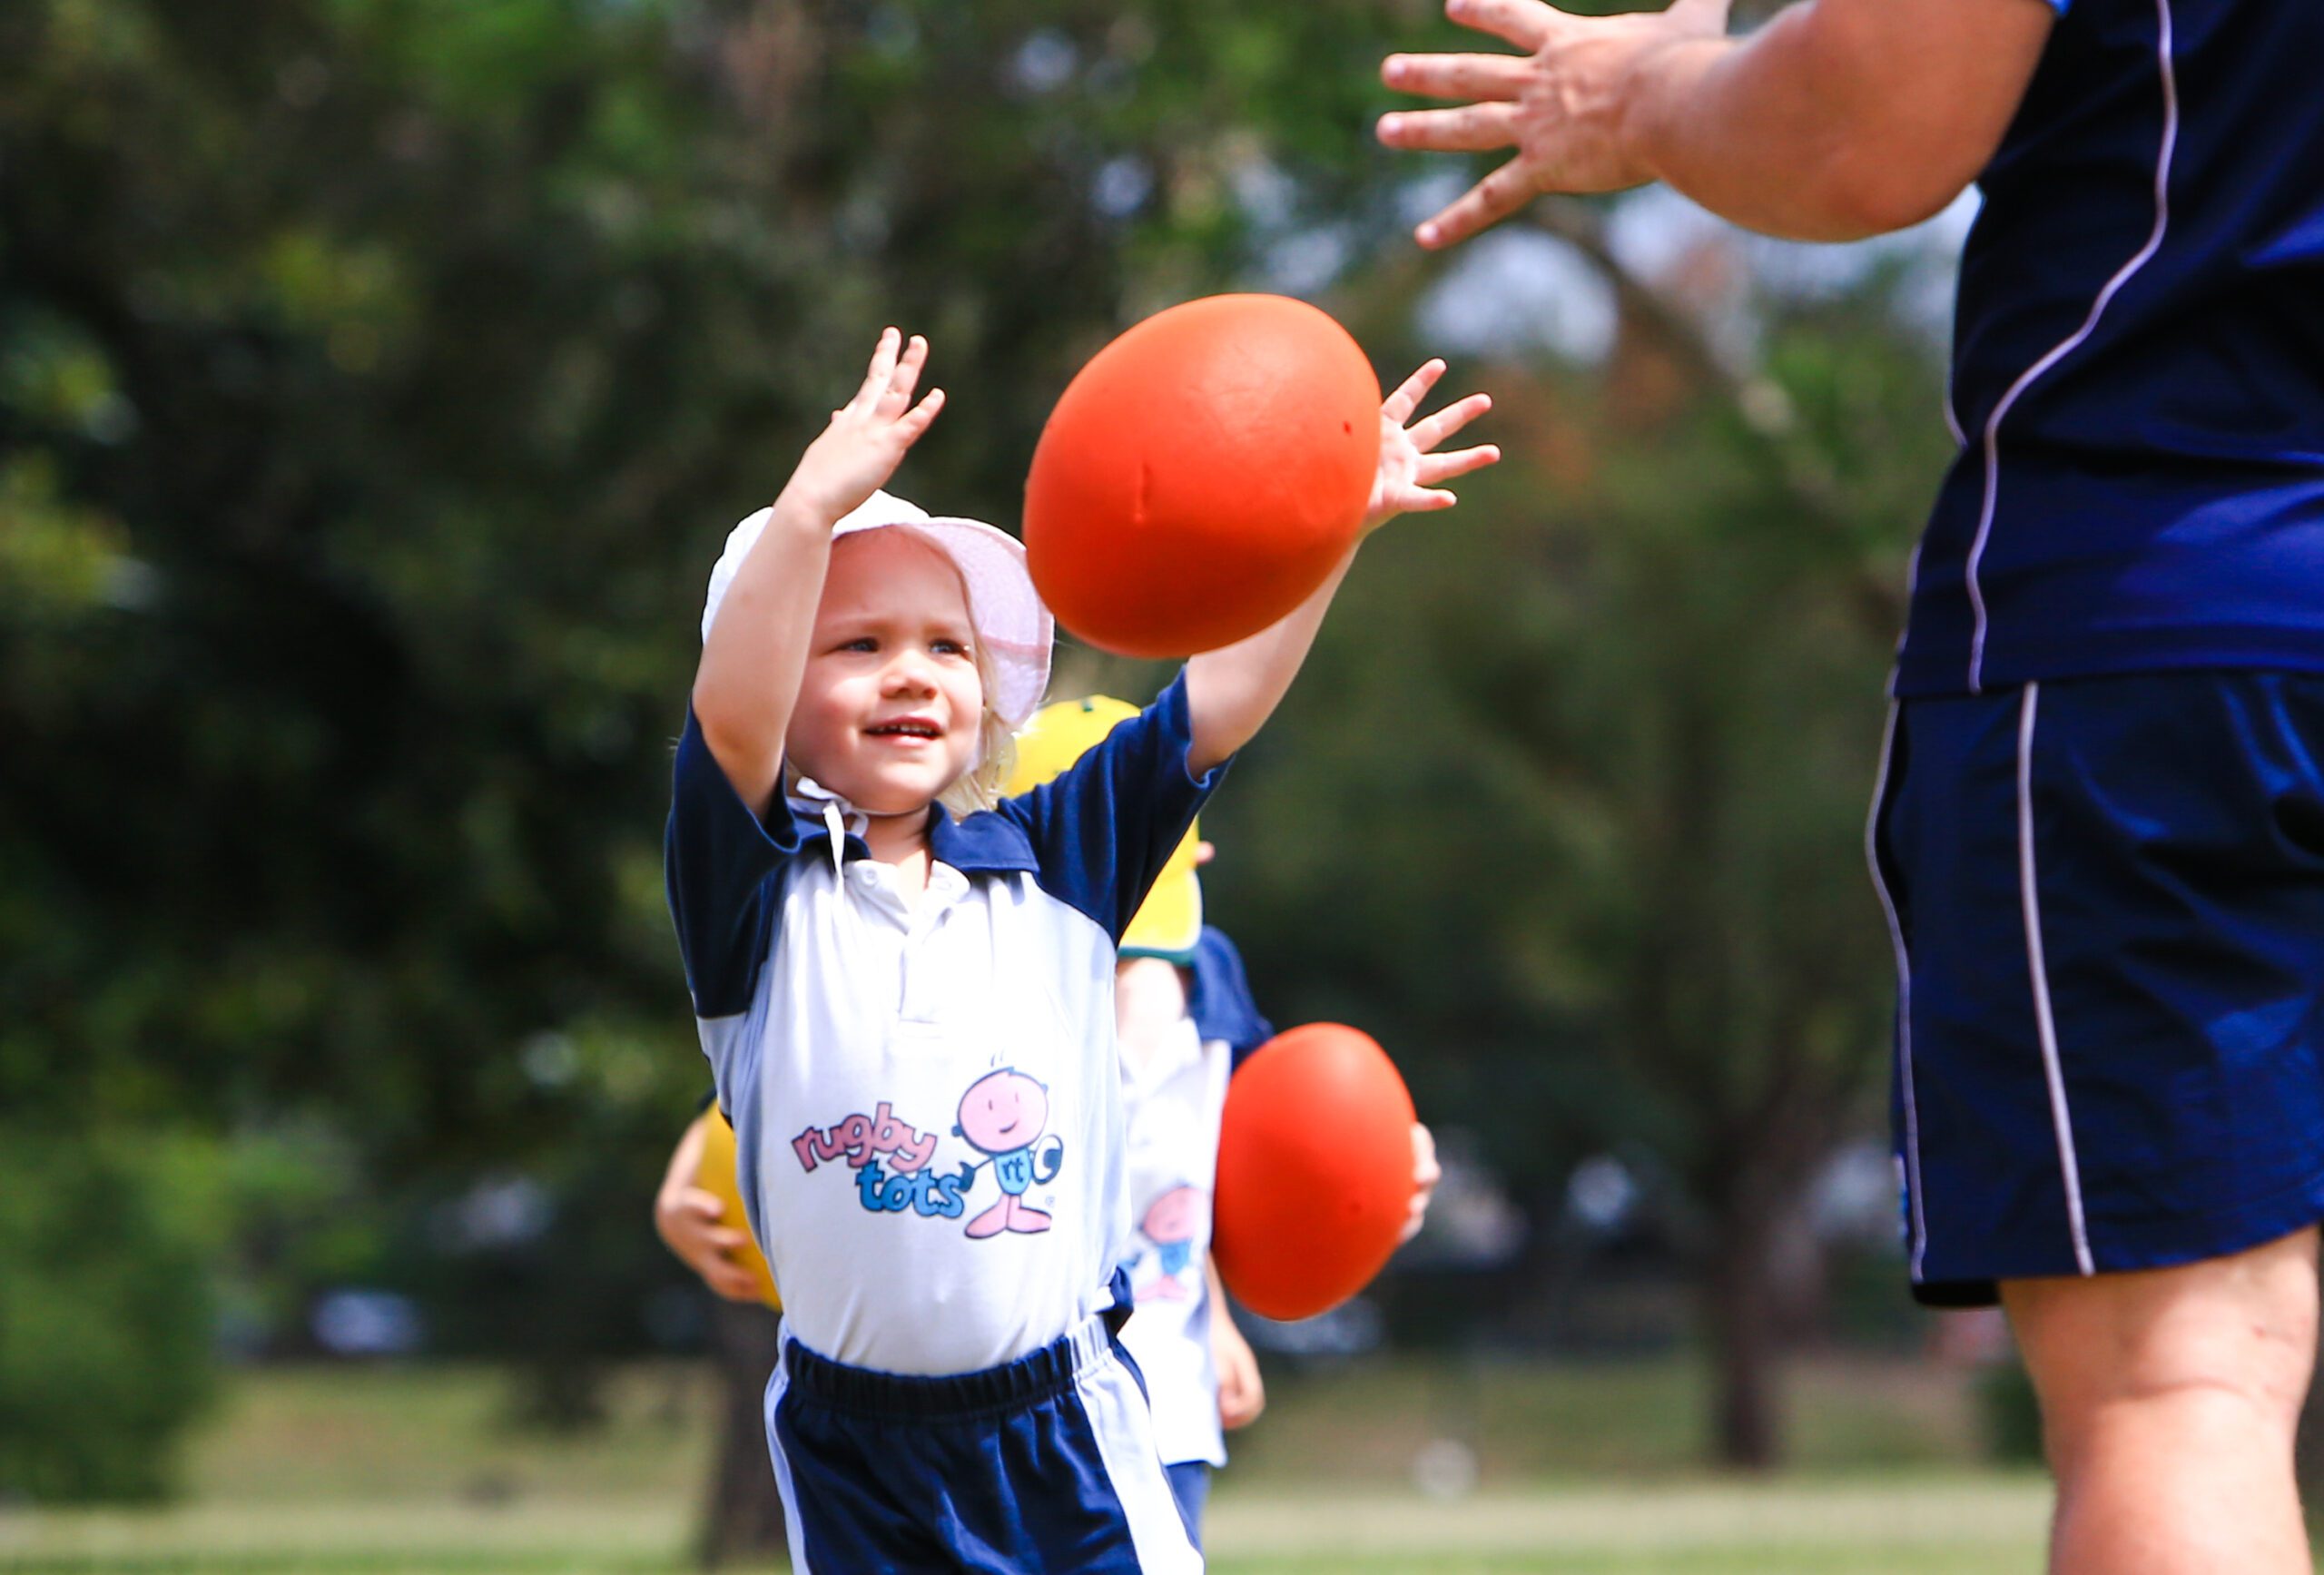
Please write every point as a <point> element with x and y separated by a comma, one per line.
<point>379,377</point>
<point>105,1311</point>
<point>1569,805</point>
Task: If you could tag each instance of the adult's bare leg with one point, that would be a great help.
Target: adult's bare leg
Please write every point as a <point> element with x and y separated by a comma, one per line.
<point>2169,1398</point>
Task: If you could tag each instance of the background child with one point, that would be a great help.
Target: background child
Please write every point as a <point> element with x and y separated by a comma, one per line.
<point>696,1220</point>
<point>872,973</point>
<point>1184,1019</point>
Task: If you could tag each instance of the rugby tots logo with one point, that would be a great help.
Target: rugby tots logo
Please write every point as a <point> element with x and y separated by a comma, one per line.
<point>1004,1116</point>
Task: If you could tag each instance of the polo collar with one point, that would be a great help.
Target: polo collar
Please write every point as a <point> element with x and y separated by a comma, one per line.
<point>984,841</point>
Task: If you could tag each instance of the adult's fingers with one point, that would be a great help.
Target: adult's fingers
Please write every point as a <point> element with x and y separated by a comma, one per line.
<point>1526,24</point>
<point>1428,433</point>
<point>1711,14</point>
<point>1470,129</point>
<point>1484,205</point>
<point>1476,77</point>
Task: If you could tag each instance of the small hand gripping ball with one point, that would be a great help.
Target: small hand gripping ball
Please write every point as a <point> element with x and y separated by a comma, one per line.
<point>1202,474</point>
<point>715,1174</point>
<point>1315,1171</point>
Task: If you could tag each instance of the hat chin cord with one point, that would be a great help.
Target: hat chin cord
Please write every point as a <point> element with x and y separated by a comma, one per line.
<point>840,817</point>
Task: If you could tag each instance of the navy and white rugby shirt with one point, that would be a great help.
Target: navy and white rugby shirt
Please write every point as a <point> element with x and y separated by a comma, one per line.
<point>2138,371</point>
<point>926,1095</point>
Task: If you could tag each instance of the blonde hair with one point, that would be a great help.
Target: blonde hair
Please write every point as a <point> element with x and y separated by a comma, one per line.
<point>979,788</point>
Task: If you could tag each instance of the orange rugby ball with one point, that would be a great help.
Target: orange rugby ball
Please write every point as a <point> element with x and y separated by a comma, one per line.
<point>1315,1171</point>
<point>1202,474</point>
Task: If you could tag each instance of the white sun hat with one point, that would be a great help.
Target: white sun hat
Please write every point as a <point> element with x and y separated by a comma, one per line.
<point>1015,627</point>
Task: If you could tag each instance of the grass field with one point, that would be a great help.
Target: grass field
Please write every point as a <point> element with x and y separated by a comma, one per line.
<point>388,1472</point>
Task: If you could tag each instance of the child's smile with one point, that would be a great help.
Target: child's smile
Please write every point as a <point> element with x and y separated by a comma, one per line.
<point>891,703</point>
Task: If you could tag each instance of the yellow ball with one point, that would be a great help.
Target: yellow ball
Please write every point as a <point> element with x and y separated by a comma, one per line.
<point>715,1176</point>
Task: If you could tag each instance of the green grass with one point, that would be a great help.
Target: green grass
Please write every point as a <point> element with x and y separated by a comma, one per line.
<point>1917,1526</point>
<point>399,1471</point>
<point>1529,1421</point>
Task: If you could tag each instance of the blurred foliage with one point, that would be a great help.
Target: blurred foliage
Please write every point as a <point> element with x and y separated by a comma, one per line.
<point>379,377</point>
<point>2010,1412</point>
<point>104,1314</point>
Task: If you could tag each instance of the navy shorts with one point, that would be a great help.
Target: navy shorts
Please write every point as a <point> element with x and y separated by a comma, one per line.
<point>1190,1485</point>
<point>2107,899</point>
<point>1045,1464</point>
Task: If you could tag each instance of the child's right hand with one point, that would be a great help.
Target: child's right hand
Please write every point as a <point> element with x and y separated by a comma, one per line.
<point>688,1220</point>
<point>869,435</point>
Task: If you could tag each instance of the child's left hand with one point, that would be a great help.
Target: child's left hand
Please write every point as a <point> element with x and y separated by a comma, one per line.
<point>1241,1394</point>
<point>1409,474</point>
<point>1426,1174</point>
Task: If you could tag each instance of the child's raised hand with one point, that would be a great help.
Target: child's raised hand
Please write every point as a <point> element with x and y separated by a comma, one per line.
<point>1410,472</point>
<point>869,435</point>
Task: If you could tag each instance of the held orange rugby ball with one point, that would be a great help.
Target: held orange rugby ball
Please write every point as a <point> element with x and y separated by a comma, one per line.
<point>1315,1171</point>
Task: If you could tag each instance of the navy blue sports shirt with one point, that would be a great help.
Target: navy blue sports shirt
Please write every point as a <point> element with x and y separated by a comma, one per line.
<point>2137,368</point>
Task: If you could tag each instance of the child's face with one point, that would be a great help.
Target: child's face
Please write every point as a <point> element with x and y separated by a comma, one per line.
<point>891,705</point>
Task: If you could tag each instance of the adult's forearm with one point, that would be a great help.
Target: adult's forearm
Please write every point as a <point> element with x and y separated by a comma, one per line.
<point>1785,132</point>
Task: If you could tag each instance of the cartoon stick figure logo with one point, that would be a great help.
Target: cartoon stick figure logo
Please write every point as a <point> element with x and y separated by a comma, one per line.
<point>1170,1223</point>
<point>1003,1116</point>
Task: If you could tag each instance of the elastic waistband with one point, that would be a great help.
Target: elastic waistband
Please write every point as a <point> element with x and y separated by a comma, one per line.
<point>1032,1378</point>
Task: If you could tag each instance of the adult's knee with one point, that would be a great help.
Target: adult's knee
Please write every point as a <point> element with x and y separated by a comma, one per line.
<point>2220,1350</point>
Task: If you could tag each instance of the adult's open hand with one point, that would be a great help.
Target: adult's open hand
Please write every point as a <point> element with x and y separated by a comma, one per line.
<point>1835,120</point>
<point>1560,105</point>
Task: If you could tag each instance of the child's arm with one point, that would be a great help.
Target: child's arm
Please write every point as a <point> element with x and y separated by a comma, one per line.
<point>1241,1394</point>
<point>1232,692</point>
<point>687,1219</point>
<point>756,650</point>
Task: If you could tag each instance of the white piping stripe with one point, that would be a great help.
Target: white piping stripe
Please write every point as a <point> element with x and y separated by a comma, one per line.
<point>1123,1428</point>
<point>2067,346</point>
<point>1919,1244</point>
<point>2043,1023</point>
<point>795,1532</point>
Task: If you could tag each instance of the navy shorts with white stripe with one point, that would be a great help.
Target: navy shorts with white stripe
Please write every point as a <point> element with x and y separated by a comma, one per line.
<point>2108,901</point>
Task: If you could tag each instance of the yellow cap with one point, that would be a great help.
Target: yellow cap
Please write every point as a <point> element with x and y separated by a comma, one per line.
<point>1170,922</point>
<point>715,1176</point>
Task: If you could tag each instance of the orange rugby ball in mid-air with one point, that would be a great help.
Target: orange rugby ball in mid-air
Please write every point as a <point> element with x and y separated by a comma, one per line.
<point>1315,1171</point>
<point>1202,474</point>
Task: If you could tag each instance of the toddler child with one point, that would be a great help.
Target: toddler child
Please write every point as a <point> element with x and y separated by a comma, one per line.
<point>904,985</point>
